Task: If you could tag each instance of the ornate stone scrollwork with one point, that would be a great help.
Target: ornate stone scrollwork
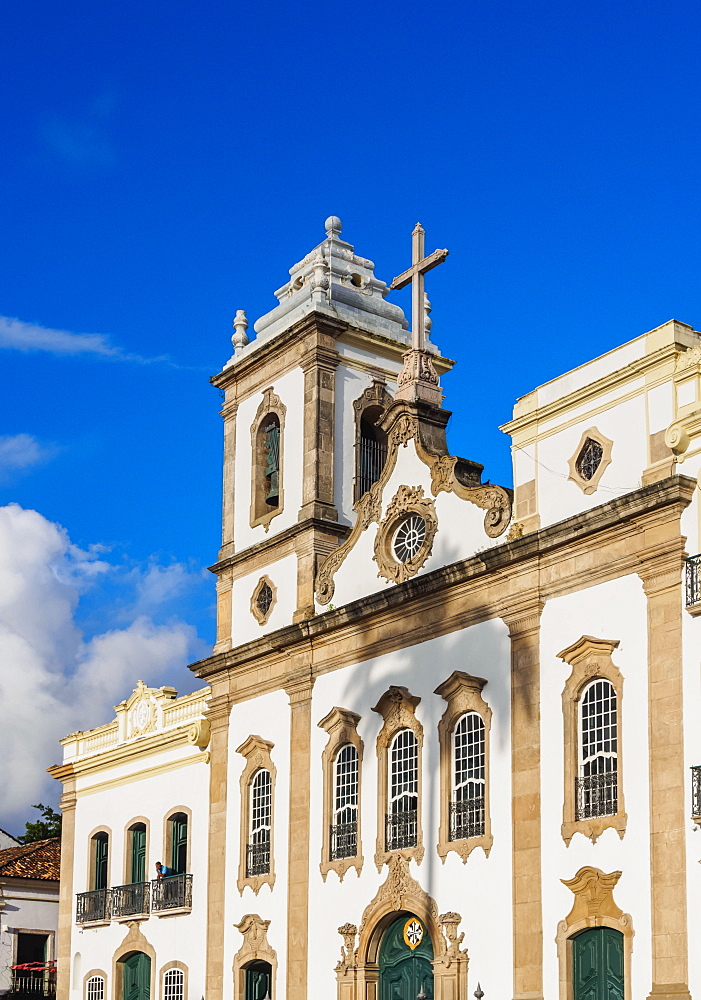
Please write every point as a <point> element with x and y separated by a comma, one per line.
<point>348,932</point>
<point>406,501</point>
<point>254,948</point>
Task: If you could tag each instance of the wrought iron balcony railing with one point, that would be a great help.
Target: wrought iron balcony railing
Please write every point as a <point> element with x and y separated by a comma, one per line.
<point>693,580</point>
<point>402,830</point>
<point>258,859</point>
<point>467,818</point>
<point>131,900</point>
<point>696,791</point>
<point>344,840</point>
<point>32,980</point>
<point>171,893</point>
<point>596,795</point>
<point>92,907</point>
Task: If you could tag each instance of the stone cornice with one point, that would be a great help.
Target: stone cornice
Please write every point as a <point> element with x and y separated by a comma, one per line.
<point>124,753</point>
<point>275,541</point>
<point>541,565</point>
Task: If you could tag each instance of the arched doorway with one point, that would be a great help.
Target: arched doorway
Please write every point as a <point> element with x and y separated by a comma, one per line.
<point>406,960</point>
<point>598,965</point>
<point>136,976</point>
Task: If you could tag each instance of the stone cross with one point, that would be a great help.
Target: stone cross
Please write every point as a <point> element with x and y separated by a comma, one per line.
<point>415,274</point>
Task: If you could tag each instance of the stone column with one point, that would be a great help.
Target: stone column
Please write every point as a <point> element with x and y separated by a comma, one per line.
<point>319,367</point>
<point>662,582</point>
<point>65,899</point>
<point>524,629</point>
<point>299,688</point>
<point>218,715</point>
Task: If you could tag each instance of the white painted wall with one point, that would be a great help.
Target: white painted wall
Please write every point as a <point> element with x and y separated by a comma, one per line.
<point>245,626</point>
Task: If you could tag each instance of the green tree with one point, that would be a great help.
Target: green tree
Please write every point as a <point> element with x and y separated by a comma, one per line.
<point>48,826</point>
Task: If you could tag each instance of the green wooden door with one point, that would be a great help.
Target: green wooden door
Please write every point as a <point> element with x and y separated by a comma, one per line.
<point>178,860</point>
<point>137,977</point>
<point>102,844</point>
<point>257,981</point>
<point>597,964</point>
<point>138,853</point>
<point>406,956</point>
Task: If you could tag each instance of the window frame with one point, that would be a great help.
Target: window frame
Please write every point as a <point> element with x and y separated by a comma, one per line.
<point>270,406</point>
<point>92,852</point>
<point>589,486</point>
<point>256,752</point>
<point>341,725</point>
<point>168,836</point>
<point>463,693</point>
<point>397,707</point>
<point>590,660</point>
<point>95,974</point>
<point>127,857</point>
<point>173,967</point>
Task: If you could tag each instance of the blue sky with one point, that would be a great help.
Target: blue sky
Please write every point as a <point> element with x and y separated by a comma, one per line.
<point>165,164</point>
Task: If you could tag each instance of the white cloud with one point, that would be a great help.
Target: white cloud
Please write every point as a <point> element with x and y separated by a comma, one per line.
<point>52,679</point>
<point>16,335</point>
<point>19,452</point>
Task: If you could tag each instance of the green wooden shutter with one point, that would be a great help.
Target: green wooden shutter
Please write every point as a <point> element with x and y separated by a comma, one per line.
<point>178,858</point>
<point>257,981</point>
<point>597,964</point>
<point>137,977</point>
<point>101,856</point>
<point>138,854</point>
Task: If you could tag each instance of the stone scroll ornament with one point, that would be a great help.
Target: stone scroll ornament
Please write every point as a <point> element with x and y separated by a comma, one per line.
<point>495,500</point>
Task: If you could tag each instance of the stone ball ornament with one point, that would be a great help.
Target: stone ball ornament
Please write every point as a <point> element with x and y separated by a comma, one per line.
<point>333,226</point>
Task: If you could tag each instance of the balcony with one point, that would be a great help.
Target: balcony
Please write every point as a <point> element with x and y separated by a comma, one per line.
<point>344,840</point>
<point>92,907</point>
<point>467,818</point>
<point>402,830</point>
<point>258,859</point>
<point>129,901</point>
<point>171,894</point>
<point>693,585</point>
<point>596,795</point>
<point>696,794</point>
<point>33,979</point>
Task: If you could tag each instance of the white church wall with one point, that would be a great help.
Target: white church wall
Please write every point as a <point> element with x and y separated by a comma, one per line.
<point>114,802</point>
<point>290,388</point>
<point>615,610</point>
<point>269,718</point>
<point>283,574</point>
<point>484,651</point>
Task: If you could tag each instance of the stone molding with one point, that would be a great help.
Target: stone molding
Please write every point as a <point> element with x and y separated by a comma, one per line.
<point>405,423</point>
<point>342,728</point>
<point>407,500</point>
<point>357,971</point>
<point>589,658</point>
<point>134,940</point>
<point>397,707</point>
<point>255,947</point>
<point>257,753</point>
<point>270,403</point>
<point>260,616</point>
<point>593,906</point>
<point>588,486</point>
<point>463,694</point>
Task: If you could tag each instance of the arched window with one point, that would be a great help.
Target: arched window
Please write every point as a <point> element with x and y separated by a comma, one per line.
<point>100,854</point>
<point>95,988</point>
<point>344,826</point>
<point>271,455</point>
<point>174,985</point>
<point>403,782</point>
<point>372,450</point>
<point>467,806</point>
<point>258,851</point>
<point>137,860</point>
<point>267,439</point>
<point>178,843</point>
<point>597,781</point>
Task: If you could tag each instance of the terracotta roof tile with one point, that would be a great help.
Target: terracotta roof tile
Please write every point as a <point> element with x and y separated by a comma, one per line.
<point>41,859</point>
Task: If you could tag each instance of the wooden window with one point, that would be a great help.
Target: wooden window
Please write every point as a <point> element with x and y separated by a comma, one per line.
<point>467,802</point>
<point>260,813</point>
<point>174,985</point>
<point>597,782</point>
<point>100,849</point>
<point>95,988</point>
<point>179,843</point>
<point>341,763</point>
<point>137,867</point>
<point>257,783</point>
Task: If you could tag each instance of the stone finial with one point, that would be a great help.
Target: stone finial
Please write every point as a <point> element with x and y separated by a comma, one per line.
<point>240,337</point>
<point>333,226</point>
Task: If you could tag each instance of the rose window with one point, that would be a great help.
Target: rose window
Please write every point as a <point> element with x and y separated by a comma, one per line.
<point>589,459</point>
<point>408,538</point>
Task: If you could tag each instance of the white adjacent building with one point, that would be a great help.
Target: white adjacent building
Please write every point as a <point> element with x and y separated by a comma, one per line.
<point>449,730</point>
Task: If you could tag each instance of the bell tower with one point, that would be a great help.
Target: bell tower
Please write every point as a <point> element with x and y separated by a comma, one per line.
<point>302,405</point>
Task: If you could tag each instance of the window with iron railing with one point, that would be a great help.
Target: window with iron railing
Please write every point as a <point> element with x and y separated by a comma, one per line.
<point>258,848</point>
<point>693,580</point>
<point>402,816</point>
<point>372,453</point>
<point>596,786</point>
<point>344,828</point>
<point>467,805</point>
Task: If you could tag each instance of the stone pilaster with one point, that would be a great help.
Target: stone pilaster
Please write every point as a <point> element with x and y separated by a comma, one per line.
<point>65,899</point>
<point>218,715</point>
<point>662,582</point>
<point>319,367</point>
<point>299,689</point>
<point>524,628</point>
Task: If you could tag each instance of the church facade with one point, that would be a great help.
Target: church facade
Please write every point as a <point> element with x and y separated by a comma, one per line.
<point>446,743</point>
